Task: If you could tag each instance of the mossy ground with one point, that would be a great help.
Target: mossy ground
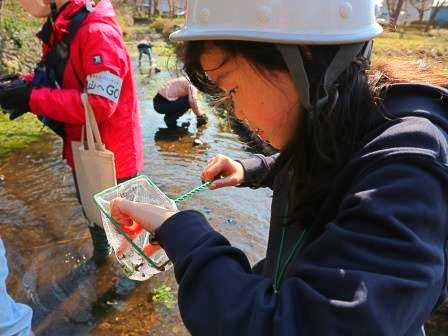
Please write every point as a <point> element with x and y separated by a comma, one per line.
<point>19,133</point>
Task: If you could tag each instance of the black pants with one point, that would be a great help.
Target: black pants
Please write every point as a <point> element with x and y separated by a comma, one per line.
<point>144,51</point>
<point>172,110</point>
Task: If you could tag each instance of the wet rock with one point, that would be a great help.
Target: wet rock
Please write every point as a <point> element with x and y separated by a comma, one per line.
<point>197,142</point>
<point>231,221</point>
<point>80,317</point>
<point>207,211</point>
<point>141,20</point>
<point>124,286</point>
<point>105,325</point>
<point>155,36</point>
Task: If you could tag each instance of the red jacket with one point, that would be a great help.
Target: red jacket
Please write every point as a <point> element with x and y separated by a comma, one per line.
<point>98,48</point>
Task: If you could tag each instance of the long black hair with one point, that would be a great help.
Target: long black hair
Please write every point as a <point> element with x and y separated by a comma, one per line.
<point>323,144</point>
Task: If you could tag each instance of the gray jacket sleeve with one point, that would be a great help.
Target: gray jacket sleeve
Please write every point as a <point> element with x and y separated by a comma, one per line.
<point>257,171</point>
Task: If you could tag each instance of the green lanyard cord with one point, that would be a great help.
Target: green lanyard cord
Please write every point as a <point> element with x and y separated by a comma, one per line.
<point>191,193</point>
<point>281,270</point>
<point>279,259</point>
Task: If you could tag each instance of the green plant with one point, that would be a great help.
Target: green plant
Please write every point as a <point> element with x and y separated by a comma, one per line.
<point>13,30</point>
<point>164,295</point>
<point>19,133</point>
<point>165,26</point>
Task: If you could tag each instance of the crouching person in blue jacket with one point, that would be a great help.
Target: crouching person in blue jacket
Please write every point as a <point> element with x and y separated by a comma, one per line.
<point>359,219</point>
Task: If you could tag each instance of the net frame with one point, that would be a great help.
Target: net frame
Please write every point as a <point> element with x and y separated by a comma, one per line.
<point>100,196</point>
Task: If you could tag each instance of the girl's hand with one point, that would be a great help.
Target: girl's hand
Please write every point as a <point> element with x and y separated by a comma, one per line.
<point>131,215</point>
<point>130,227</point>
<point>232,172</point>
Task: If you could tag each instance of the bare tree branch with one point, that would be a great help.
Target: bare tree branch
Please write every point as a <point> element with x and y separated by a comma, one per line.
<point>422,6</point>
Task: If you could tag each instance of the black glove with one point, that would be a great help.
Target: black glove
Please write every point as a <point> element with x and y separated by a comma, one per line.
<point>201,119</point>
<point>15,97</point>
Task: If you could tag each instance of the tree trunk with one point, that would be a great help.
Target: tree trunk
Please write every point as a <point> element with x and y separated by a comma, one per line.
<point>156,7</point>
<point>436,9</point>
<point>152,7</point>
<point>396,13</point>
<point>171,6</point>
<point>421,14</point>
<point>139,5</point>
<point>2,4</point>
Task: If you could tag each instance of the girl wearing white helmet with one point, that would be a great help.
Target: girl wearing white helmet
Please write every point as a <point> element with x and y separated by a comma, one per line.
<point>359,211</point>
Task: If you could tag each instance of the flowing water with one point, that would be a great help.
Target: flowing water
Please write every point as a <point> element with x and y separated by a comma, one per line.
<point>48,244</point>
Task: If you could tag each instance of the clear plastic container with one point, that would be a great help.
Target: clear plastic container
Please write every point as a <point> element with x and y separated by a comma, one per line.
<point>130,250</point>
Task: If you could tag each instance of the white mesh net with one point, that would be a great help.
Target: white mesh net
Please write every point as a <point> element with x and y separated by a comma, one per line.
<point>135,263</point>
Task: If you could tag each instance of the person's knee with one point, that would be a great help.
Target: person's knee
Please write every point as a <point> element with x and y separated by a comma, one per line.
<point>158,103</point>
<point>170,108</point>
<point>170,121</point>
<point>157,108</point>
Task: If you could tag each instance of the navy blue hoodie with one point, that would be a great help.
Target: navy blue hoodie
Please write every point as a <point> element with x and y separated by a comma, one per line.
<point>378,263</point>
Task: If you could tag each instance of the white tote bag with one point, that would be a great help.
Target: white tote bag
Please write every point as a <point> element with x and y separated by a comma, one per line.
<point>94,164</point>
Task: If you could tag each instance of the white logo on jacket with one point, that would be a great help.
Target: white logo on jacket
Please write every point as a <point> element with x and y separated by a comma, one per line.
<point>105,84</point>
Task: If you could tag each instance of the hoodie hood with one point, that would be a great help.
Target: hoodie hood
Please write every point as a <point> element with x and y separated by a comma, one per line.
<point>53,33</point>
<point>103,12</point>
<point>421,100</point>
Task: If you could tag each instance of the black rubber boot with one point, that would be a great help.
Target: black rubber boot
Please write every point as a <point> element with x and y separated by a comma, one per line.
<point>100,244</point>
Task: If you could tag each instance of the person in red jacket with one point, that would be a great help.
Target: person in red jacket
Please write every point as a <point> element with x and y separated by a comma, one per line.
<point>83,51</point>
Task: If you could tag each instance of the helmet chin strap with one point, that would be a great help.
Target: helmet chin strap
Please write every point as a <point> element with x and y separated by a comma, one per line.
<point>294,61</point>
<point>346,55</point>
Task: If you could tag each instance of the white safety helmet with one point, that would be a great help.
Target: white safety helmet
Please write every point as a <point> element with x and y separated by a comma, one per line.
<point>288,23</point>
